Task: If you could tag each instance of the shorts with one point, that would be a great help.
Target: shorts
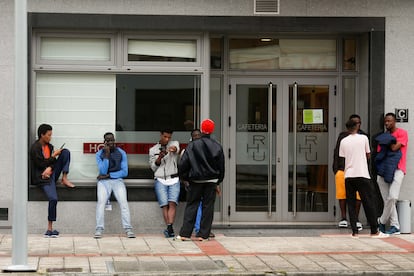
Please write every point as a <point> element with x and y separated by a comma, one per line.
<point>167,193</point>
<point>340,186</point>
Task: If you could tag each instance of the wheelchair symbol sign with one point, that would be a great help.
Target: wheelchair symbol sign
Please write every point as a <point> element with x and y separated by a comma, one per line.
<point>401,115</point>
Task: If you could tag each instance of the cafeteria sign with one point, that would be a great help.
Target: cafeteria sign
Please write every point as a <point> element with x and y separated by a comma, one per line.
<point>312,116</point>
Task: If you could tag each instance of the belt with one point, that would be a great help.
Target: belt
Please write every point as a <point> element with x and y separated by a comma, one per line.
<point>170,176</point>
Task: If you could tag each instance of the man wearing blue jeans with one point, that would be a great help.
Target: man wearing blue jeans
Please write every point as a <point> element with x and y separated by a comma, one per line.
<point>113,167</point>
<point>47,164</point>
<point>163,159</point>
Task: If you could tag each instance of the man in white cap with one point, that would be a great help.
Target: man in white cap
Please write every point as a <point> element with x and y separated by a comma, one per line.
<point>202,165</point>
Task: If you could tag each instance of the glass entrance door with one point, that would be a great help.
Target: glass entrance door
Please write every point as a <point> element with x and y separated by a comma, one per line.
<point>310,196</point>
<point>254,170</point>
<point>279,148</point>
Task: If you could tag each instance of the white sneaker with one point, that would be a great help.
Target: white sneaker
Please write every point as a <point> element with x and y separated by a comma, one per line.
<point>359,226</point>
<point>379,235</point>
<point>343,224</point>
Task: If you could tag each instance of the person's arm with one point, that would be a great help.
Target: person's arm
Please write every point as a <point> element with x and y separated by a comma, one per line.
<point>183,166</point>
<point>402,139</point>
<point>123,172</point>
<point>174,147</point>
<point>396,146</point>
<point>155,158</point>
<point>103,164</point>
<point>221,167</point>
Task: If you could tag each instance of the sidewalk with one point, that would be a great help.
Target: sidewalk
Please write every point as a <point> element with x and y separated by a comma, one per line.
<point>324,253</point>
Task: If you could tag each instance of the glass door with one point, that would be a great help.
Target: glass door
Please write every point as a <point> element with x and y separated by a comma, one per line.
<point>254,137</point>
<point>280,143</point>
<point>310,196</point>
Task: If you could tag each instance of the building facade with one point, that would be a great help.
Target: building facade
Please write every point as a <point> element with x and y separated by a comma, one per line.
<point>278,77</point>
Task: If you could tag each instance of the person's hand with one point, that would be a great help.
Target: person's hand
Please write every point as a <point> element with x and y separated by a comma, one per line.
<point>172,149</point>
<point>218,190</point>
<point>56,153</point>
<point>107,150</point>
<point>103,176</point>
<point>47,173</point>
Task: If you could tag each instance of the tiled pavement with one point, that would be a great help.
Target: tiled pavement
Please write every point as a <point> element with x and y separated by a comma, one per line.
<point>322,254</point>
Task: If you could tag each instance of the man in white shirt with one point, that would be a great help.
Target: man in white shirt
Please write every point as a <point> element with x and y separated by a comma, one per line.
<point>356,151</point>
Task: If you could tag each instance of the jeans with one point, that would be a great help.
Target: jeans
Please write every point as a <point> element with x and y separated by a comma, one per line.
<point>198,218</point>
<point>104,189</point>
<point>390,193</point>
<point>167,193</point>
<point>61,165</point>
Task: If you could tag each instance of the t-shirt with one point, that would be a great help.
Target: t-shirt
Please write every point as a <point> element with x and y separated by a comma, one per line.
<point>354,148</point>
<point>402,137</point>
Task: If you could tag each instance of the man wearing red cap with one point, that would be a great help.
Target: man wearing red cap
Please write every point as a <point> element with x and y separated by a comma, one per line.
<point>202,165</point>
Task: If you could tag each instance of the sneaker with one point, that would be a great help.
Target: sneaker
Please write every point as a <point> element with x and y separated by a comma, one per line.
<point>393,231</point>
<point>98,234</point>
<point>179,238</point>
<point>55,233</point>
<point>51,234</point>
<point>343,224</point>
<point>212,235</point>
<point>381,227</point>
<point>359,226</point>
<point>379,235</point>
<point>200,239</point>
<point>355,236</point>
<point>168,234</point>
<point>129,234</point>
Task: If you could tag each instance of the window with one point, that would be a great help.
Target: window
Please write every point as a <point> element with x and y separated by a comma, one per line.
<point>282,54</point>
<point>162,50</point>
<point>146,104</point>
<point>65,49</point>
<point>349,62</point>
<point>80,108</point>
<point>216,53</point>
<point>153,102</point>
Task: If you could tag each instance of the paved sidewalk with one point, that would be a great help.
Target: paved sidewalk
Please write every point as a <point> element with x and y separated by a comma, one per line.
<point>325,253</point>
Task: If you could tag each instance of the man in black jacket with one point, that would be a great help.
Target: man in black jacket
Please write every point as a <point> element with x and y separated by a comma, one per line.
<point>202,165</point>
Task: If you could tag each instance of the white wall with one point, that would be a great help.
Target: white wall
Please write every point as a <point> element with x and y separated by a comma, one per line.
<point>6,101</point>
<point>399,85</point>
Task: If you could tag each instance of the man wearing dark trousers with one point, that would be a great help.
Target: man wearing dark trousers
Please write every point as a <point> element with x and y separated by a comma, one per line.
<point>356,151</point>
<point>202,165</point>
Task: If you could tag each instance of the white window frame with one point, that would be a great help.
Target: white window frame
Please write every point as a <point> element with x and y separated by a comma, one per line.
<point>194,66</point>
<point>57,64</point>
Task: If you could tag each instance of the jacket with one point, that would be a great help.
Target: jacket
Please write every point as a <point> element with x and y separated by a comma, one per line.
<point>202,160</point>
<point>116,165</point>
<point>386,161</point>
<point>338,161</point>
<point>168,167</point>
<point>39,163</point>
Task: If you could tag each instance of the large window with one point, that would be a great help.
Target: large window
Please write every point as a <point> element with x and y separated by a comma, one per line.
<point>146,104</point>
<point>154,102</point>
<point>82,107</point>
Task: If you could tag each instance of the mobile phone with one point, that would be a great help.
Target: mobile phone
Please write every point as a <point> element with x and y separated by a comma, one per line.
<point>61,147</point>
